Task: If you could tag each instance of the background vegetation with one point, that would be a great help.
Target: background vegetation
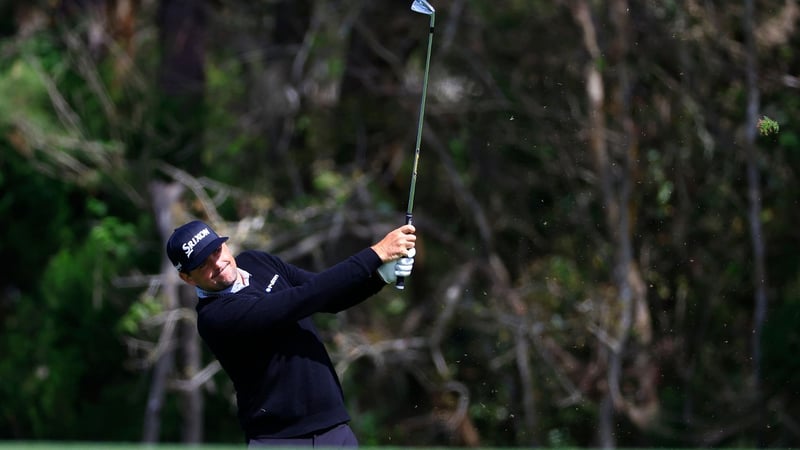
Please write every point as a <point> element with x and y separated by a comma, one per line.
<point>608,250</point>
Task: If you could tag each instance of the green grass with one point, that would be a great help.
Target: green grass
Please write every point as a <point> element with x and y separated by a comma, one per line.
<point>11,445</point>
<point>57,445</point>
<point>25,445</point>
<point>42,445</point>
<point>50,445</point>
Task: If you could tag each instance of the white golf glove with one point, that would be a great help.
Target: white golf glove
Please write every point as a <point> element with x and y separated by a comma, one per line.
<point>398,268</point>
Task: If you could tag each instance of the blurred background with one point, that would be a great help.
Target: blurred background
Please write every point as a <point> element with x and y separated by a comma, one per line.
<point>608,250</point>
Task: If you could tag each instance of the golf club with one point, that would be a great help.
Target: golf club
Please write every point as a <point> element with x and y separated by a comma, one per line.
<point>422,7</point>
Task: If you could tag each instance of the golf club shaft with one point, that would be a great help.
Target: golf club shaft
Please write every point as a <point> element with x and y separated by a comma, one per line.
<point>400,284</point>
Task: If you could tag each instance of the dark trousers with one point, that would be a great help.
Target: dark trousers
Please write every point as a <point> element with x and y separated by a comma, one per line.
<point>340,436</point>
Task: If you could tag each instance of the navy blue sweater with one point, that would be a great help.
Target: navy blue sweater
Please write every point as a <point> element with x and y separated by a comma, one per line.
<point>264,338</point>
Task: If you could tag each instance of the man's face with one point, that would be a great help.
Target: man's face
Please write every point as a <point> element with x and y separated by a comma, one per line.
<point>216,273</point>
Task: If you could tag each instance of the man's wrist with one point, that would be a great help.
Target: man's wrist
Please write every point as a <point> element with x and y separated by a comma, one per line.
<point>382,255</point>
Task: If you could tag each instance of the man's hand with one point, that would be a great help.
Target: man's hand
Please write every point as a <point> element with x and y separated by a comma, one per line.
<point>396,244</point>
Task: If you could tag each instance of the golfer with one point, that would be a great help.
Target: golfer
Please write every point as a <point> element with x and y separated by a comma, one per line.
<point>254,312</point>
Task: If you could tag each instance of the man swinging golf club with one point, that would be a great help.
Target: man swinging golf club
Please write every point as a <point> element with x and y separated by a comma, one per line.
<point>254,312</point>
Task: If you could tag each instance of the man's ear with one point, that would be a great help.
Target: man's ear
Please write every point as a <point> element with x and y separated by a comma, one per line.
<point>187,278</point>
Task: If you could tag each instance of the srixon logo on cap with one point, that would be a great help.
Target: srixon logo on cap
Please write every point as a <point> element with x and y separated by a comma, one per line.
<point>188,247</point>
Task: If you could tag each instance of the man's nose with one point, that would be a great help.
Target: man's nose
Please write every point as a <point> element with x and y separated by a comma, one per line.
<point>214,261</point>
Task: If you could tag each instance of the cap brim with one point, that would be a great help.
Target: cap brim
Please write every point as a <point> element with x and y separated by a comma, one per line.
<point>203,254</point>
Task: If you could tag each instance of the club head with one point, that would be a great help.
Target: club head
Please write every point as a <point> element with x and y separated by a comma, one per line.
<point>422,7</point>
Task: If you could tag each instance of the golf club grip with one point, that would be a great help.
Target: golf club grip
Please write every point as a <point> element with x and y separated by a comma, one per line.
<point>401,281</point>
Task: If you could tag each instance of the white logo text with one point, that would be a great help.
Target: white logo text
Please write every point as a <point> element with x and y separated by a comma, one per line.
<point>188,247</point>
<point>272,283</point>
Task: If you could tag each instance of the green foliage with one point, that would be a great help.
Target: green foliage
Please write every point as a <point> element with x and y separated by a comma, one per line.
<point>225,140</point>
<point>61,352</point>
<point>781,339</point>
<point>510,190</point>
<point>41,212</point>
<point>53,116</point>
<point>767,126</point>
<point>24,96</point>
<point>331,184</point>
<point>131,322</point>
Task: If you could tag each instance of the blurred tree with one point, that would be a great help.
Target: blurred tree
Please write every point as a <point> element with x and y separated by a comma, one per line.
<point>585,273</point>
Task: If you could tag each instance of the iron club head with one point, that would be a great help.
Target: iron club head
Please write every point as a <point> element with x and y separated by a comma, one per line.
<point>422,7</point>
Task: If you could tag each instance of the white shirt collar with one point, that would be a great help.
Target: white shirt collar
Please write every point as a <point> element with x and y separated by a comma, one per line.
<point>242,281</point>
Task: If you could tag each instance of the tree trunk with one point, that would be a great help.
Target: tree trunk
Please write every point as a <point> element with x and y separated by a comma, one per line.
<point>192,399</point>
<point>632,291</point>
<point>754,206</point>
<point>182,27</point>
<point>182,31</point>
<point>596,127</point>
<point>616,169</point>
<point>164,197</point>
<point>155,398</point>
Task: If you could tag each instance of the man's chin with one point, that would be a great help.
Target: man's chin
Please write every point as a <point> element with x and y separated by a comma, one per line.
<point>224,280</point>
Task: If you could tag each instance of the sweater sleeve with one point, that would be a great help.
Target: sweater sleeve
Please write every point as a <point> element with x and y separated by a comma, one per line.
<point>255,310</point>
<point>356,295</point>
<point>340,301</point>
